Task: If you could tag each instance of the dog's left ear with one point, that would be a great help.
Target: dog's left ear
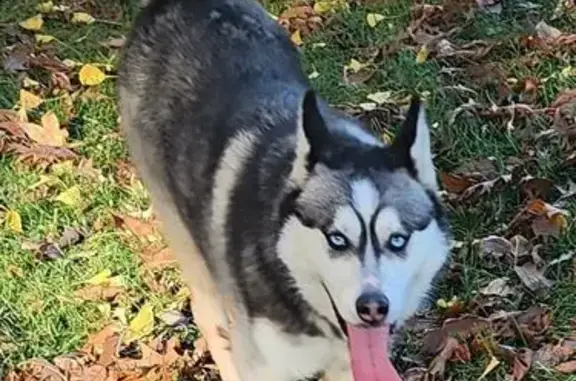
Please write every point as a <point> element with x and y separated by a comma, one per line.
<point>412,144</point>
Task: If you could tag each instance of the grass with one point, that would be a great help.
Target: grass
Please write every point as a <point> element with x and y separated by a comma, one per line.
<point>39,316</point>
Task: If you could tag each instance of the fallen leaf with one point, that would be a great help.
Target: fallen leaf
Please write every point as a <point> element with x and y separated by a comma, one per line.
<point>173,318</point>
<point>494,246</point>
<point>28,100</point>
<point>498,287</point>
<point>494,362</point>
<point>82,18</point>
<point>380,97</point>
<point>41,154</point>
<point>422,55</point>
<point>157,259</point>
<point>438,364</point>
<point>13,221</point>
<point>33,23</point>
<point>144,230</point>
<point>568,367</point>
<point>454,183</point>
<point>490,6</point>
<point>45,7</point>
<point>113,43</point>
<point>142,324</point>
<point>462,328</point>
<point>356,72</point>
<point>547,32</point>
<point>373,19</point>
<point>90,75</point>
<point>71,196</point>
<point>99,292</point>
<point>44,38</point>
<point>296,38</point>
<point>521,364</point>
<point>50,251</point>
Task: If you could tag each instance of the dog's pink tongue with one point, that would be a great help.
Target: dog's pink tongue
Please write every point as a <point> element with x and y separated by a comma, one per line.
<point>369,354</point>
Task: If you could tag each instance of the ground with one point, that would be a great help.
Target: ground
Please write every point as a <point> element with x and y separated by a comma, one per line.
<point>79,252</point>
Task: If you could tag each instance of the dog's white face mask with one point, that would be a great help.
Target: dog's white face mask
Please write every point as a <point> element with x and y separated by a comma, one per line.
<point>367,238</point>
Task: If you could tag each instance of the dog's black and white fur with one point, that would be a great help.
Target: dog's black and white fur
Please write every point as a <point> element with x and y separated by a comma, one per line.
<point>278,207</point>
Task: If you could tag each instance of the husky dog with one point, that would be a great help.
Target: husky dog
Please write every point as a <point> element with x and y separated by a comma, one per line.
<point>304,239</point>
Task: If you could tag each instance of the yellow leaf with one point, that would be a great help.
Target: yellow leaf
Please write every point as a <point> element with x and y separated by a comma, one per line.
<point>13,221</point>
<point>44,38</point>
<point>356,65</point>
<point>296,38</point>
<point>380,97</point>
<point>494,362</point>
<point>82,18</point>
<point>90,75</point>
<point>33,23</point>
<point>322,7</point>
<point>373,19</point>
<point>100,278</point>
<point>422,55</point>
<point>45,7</point>
<point>30,83</point>
<point>71,196</point>
<point>29,101</point>
<point>142,324</point>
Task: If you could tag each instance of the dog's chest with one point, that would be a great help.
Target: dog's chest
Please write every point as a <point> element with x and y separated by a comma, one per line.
<point>298,356</point>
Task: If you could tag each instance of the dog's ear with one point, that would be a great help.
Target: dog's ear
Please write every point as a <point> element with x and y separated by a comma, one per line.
<point>413,146</point>
<point>314,128</point>
<point>313,138</point>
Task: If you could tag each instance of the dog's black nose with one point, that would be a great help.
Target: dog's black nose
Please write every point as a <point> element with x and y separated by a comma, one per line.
<point>372,307</point>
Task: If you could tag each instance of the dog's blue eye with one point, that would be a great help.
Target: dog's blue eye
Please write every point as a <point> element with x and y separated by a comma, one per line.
<point>338,241</point>
<point>397,242</point>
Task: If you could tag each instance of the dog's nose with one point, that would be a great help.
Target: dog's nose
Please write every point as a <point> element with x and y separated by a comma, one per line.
<point>372,307</point>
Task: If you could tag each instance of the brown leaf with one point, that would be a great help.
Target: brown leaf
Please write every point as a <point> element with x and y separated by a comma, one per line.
<point>532,277</point>
<point>157,259</point>
<point>495,247</point>
<point>454,183</point>
<point>41,154</point>
<point>536,188</point>
<point>553,354</point>
<point>462,328</point>
<point>521,365</point>
<point>143,230</point>
<point>97,292</point>
<point>568,367</point>
<point>438,364</point>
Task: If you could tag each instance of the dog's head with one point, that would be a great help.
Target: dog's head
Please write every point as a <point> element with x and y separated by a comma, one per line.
<point>367,228</point>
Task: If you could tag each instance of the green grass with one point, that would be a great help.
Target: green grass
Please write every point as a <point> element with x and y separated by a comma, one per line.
<point>39,316</point>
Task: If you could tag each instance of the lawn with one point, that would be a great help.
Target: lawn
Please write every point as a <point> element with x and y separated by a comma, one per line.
<point>84,274</point>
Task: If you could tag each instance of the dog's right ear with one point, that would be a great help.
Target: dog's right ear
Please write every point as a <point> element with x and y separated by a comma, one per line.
<point>315,129</point>
<point>313,138</point>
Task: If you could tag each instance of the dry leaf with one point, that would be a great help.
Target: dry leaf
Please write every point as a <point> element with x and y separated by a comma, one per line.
<point>498,287</point>
<point>494,362</point>
<point>568,367</point>
<point>90,75</point>
<point>454,183</point>
<point>114,43</point>
<point>29,101</point>
<point>98,292</point>
<point>33,23</point>
<point>144,230</point>
<point>13,221</point>
<point>82,18</point>
<point>142,324</point>
<point>158,259</point>
<point>547,32</point>
<point>296,38</point>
